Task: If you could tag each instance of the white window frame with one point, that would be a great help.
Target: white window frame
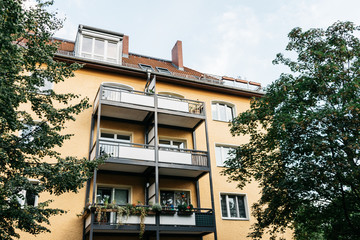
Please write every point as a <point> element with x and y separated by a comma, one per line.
<point>129,134</point>
<point>106,42</point>
<point>220,162</point>
<point>247,218</point>
<point>172,140</point>
<point>23,193</point>
<point>217,116</point>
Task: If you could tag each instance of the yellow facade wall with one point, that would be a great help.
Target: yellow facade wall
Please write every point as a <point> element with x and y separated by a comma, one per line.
<point>86,82</point>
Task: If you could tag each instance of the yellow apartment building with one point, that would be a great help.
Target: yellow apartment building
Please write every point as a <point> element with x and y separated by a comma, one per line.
<point>165,130</point>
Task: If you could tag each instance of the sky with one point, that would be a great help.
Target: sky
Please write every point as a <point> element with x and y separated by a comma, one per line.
<point>236,38</point>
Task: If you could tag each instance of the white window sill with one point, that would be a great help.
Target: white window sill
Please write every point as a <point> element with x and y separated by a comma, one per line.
<point>222,121</point>
<point>235,219</point>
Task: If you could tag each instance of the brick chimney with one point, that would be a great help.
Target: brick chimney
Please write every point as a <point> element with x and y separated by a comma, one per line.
<point>177,56</point>
<point>125,45</point>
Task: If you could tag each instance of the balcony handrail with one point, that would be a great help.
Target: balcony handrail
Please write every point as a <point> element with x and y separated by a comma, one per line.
<point>120,89</point>
<point>118,144</point>
<point>125,143</point>
<point>179,98</point>
<point>173,149</point>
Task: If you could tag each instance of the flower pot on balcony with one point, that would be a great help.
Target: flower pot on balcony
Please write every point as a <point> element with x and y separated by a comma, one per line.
<point>168,212</point>
<point>185,213</point>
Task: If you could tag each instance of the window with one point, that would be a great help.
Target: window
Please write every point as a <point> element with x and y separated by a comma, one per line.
<point>146,67</point>
<point>115,136</point>
<point>110,195</point>
<point>27,134</point>
<point>223,153</point>
<point>233,206</point>
<point>222,112</point>
<point>45,86</point>
<point>107,195</point>
<point>29,196</point>
<point>172,144</point>
<point>174,198</point>
<point>99,49</point>
<point>163,70</point>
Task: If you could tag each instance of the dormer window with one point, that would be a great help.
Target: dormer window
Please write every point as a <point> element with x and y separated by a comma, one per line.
<point>99,44</point>
<point>163,70</point>
<point>146,67</point>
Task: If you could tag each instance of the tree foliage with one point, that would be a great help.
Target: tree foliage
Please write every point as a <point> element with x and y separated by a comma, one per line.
<point>26,60</point>
<point>304,148</point>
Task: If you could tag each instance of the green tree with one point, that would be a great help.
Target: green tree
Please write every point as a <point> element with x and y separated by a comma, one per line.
<point>26,61</point>
<point>304,148</point>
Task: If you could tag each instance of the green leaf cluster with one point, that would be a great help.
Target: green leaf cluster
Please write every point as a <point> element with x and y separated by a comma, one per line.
<point>304,148</point>
<point>26,60</point>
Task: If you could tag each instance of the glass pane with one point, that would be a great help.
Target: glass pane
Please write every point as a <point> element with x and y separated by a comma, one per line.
<point>123,138</point>
<point>232,206</point>
<point>103,195</point>
<point>107,135</point>
<point>30,198</point>
<point>229,113</point>
<point>167,198</point>
<point>178,144</point>
<point>87,45</point>
<point>222,112</point>
<point>164,143</point>
<point>214,111</point>
<point>218,156</point>
<point>111,50</point>
<point>241,204</point>
<point>121,196</point>
<point>182,198</point>
<point>223,206</point>
<point>99,47</point>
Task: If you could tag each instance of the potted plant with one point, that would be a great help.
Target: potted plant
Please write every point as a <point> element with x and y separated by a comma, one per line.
<point>168,210</point>
<point>184,209</point>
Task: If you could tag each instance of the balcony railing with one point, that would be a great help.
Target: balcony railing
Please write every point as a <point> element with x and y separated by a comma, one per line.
<point>180,104</point>
<point>124,150</point>
<point>121,95</point>
<point>146,153</point>
<point>199,217</point>
<point>183,156</point>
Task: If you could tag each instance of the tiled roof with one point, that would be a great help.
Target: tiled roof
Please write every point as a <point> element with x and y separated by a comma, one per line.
<point>135,59</point>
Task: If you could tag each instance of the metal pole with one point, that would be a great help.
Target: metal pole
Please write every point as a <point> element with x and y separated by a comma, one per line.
<point>210,177</point>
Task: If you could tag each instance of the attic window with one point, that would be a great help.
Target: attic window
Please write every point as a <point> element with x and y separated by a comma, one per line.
<point>163,70</point>
<point>146,67</point>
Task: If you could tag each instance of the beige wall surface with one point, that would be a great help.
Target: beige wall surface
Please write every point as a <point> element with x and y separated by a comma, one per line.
<point>87,82</point>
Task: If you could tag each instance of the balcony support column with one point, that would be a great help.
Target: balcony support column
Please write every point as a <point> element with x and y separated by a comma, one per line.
<point>210,174</point>
<point>198,194</point>
<point>97,142</point>
<point>87,195</point>
<point>194,139</point>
